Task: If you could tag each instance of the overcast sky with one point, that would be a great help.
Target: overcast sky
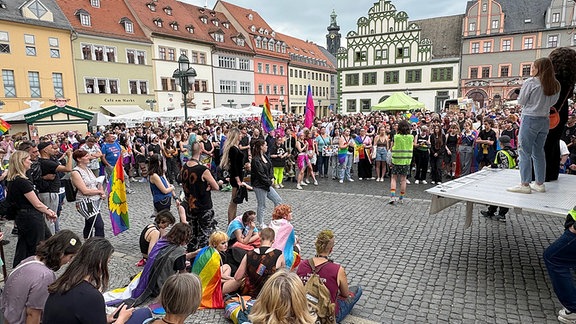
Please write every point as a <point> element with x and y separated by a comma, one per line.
<point>308,19</point>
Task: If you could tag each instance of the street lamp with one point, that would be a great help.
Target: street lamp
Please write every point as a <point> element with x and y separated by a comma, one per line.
<point>184,76</point>
<point>151,102</point>
<point>230,102</point>
<point>2,104</point>
<point>282,104</point>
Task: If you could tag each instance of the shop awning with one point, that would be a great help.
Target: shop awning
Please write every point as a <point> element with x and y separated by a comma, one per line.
<point>118,110</point>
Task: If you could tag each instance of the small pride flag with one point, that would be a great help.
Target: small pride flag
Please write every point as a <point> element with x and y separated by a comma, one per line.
<point>267,121</point>
<point>117,202</point>
<point>309,111</point>
<point>4,126</point>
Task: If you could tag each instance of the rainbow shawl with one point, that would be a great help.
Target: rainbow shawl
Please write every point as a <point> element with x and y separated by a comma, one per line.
<point>207,267</point>
<point>285,241</point>
<point>342,152</point>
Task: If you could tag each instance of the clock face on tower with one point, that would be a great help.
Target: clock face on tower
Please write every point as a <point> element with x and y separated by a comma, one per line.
<point>332,36</point>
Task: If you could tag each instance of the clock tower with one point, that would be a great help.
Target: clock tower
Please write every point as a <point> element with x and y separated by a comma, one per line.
<point>333,36</point>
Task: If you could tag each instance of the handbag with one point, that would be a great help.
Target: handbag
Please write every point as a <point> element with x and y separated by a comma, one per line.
<point>373,153</point>
<point>88,208</point>
<point>555,113</point>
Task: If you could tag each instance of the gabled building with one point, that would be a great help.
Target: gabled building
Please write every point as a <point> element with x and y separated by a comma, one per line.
<point>308,66</point>
<point>388,53</point>
<point>112,57</point>
<point>270,54</point>
<point>35,54</point>
<point>501,39</point>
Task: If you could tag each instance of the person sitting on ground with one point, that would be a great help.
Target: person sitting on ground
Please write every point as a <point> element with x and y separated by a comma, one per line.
<point>332,274</point>
<point>26,288</point>
<point>153,232</point>
<point>282,300</point>
<point>243,232</point>
<point>286,239</point>
<point>505,158</point>
<point>259,264</point>
<point>168,256</point>
<point>180,297</point>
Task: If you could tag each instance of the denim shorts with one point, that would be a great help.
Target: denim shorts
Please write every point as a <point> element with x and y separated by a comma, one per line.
<point>381,153</point>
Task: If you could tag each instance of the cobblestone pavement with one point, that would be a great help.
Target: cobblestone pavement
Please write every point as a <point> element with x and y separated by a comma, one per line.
<point>414,267</point>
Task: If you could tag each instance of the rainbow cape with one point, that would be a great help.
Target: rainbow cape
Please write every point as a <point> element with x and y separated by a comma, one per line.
<point>4,126</point>
<point>117,202</point>
<point>207,267</point>
<point>267,121</point>
<point>342,154</point>
<point>309,112</point>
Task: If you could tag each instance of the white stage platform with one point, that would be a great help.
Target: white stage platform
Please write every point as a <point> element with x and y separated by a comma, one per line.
<point>488,187</point>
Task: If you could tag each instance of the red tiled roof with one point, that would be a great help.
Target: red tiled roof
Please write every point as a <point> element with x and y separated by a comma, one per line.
<point>309,50</point>
<point>105,20</point>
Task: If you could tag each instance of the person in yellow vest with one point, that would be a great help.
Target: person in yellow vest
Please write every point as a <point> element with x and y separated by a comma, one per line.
<point>506,158</point>
<point>402,148</point>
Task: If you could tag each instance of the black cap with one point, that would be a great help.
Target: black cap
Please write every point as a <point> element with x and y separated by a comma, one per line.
<point>43,145</point>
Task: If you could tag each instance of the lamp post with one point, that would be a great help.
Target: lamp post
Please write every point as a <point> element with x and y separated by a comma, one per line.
<point>151,102</point>
<point>230,102</point>
<point>184,76</point>
<point>320,113</point>
<point>2,104</point>
<point>282,104</point>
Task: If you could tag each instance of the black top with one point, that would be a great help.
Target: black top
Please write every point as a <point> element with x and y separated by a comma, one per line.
<point>489,135</point>
<point>144,244</point>
<point>82,304</point>
<point>243,142</point>
<point>199,199</point>
<point>259,267</point>
<point>48,166</point>
<point>236,165</point>
<point>276,149</point>
<point>452,140</point>
<point>261,173</point>
<point>18,188</point>
<point>154,148</point>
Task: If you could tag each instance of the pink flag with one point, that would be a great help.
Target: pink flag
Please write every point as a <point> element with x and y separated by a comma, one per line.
<point>309,112</point>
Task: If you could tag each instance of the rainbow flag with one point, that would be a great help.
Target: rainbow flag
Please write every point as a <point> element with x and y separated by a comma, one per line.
<point>4,126</point>
<point>117,202</point>
<point>342,152</point>
<point>267,121</point>
<point>309,112</point>
<point>207,267</point>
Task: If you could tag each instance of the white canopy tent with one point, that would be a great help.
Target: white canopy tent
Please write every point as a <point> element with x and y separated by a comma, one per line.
<point>255,111</point>
<point>226,113</point>
<point>194,114</point>
<point>139,116</point>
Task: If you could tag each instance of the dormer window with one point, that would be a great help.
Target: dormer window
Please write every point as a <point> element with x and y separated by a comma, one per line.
<point>258,42</point>
<point>174,25</point>
<point>271,45</point>
<point>253,28</point>
<point>128,25</point>
<point>261,31</point>
<point>151,6</point>
<point>158,22</point>
<point>95,3</point>
<point>190,29</point>
<point>84,17</point>
<point>265,31</point>
<point>250,17</point>
<point>273,34</point>
<point>240,41</point>
<point>219,37</point>
<point>213,13</point>
<point>283,48</point>
<point>226,24</point>
<point>215,22</point>
<point>204,19</point>
<point>168,11</point>
<point>37,9</point>
<point>484,7</point>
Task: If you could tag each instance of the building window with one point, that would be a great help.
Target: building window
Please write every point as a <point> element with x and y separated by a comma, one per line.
<point>143,85</point>
<point>352,79</point>
<point>556,17</point>
<point>34,82</point>
<point>133,85</point>
<point>98,53</point>
<point>403,52</point>
<point>9,83</point>
<point>274,69</point>
<point>484,7</point>
<point>486,72</point>
<point>158,22</point>
<point>351,105</point>
<point>227,62</point>
<point>218,37</point>
<point>201,86</point>
<point>171,54</point>
<point>275,89</point>
<point>4,42</point>
<point>129,27</point>
<point>168,84</point>
<point>54,47</point>
<point>391,77</point>
<point>360,56</point>
<point>245,87</point>
<point>487,47</point>
<point>442,74</point>
<point>365,104</point>
<point>141,55</point>
<point>260,89</point>
<point>95,3</point>
<point>526,70</point>
<point>506,45</point>
<point>267,68</point>
<point>413,76</point>
<point>475,49</point>
<point>110,54</point>
<point>58,85</point>
<point>472,26</point>
<point>552,41</point>
<point>168,11</point>
<point>282,90</point>
<point>281,70</point>
<point>85,19</point>
<point>504,71</point>
<point>474,73</point>
<point>37,9</point>
<point>174,25</point>
<point>369,78</point>
<point>529,43</point>
<point>131,57</point>
<point>495,24</point>
<point>190,29</point>
<point>267,89</point>
<point>227,86</point>
<point>259,67</point>
<point>381,54</point>
<point>30,50</point>
<point>30,42</point>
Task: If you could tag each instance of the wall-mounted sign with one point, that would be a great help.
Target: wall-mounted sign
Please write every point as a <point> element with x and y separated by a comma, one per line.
<point>119,100</point>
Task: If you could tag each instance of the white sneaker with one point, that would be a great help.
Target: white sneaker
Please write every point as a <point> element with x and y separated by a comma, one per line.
<point>351,180</point>
<point>536,187</point>
<point>276,186</point>
<point>372,178</point>
<point>281,186</point>
<point>315,182</point>
<point>433,182</point>
<point>565,316</point>
<point>303,183</point>
<point>299,187</point>
<point>407,181</point>
<point>415,182</point>
<point>307,181</point>
<point>520,189</point>
<point>360,179</point>
<point>424,182</point>
<point>341,181</point>
<point>438,183</point>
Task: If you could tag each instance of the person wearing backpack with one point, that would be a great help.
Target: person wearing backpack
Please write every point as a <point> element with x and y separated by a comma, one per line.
<point>333,276</point>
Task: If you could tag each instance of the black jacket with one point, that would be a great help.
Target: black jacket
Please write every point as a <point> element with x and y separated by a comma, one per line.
<point>261,173</point>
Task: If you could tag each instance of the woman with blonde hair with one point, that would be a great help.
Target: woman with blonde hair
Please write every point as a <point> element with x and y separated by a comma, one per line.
<point>537,95</point>
<point>233,161</point>
<point>282,300</point>
<point>30,211</point>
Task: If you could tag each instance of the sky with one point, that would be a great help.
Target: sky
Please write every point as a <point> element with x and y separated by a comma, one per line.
<point>308,19</point>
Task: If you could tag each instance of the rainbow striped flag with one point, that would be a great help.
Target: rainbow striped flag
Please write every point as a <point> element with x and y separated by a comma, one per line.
<point>267,121</point>
<point>207,267</point>
<point>117,202</point>
<point>309,111</point>
<point>4,126</point>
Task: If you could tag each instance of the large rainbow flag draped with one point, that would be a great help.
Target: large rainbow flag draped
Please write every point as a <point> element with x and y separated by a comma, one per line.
<point>267,121</point>
<point>207,267</point>
<point>309,112</point>
<point>4,126</point>
<point>342,152</point>
<point>117,202</point>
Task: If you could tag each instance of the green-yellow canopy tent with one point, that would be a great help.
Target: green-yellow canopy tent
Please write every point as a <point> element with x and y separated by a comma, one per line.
<point>398,101</point>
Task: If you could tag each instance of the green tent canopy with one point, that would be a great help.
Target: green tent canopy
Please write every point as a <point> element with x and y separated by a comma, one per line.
<point>398,101</point>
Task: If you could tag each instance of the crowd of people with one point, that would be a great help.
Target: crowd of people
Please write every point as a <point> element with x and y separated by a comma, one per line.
<point>259,255</point>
